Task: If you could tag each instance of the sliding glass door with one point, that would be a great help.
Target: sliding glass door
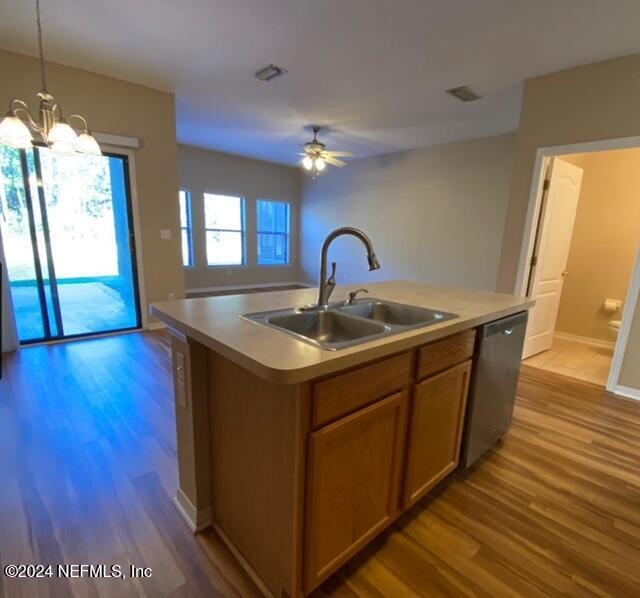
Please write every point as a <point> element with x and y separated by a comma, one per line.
<point>68,238</point>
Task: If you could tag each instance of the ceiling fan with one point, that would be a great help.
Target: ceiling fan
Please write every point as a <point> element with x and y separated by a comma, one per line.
<point>316,156</point>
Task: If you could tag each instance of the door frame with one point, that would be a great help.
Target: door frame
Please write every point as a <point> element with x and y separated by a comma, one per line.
<point>126,150</point>
<point>130,154</point>
<point>541,162</point>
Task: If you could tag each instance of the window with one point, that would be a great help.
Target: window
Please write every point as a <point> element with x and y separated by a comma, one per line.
<point>225,230</point>
<point>273,232</point>
<point>186,228</point>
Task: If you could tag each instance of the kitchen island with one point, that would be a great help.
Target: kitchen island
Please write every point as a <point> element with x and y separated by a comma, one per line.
<point>299,456</point>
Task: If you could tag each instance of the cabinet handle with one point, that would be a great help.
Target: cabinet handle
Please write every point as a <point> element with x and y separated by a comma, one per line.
<point>508,331</point>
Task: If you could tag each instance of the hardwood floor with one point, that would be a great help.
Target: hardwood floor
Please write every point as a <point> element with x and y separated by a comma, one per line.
<point>88,466</point>
<point>88,462</point>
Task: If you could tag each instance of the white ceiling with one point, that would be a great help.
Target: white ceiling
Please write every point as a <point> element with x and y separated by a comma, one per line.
<point>373,71</point>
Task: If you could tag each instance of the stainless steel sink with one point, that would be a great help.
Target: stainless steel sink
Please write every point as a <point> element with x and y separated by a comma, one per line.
<point>340,326</point>
<point>396,314</point>
<point>328,328</point>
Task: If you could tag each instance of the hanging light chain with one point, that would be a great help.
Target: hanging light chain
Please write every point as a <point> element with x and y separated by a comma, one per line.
<point>17,126</point>
<point>40,47</point>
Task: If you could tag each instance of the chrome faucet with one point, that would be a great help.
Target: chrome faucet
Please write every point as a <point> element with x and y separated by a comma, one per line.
<point>353,295</point>
<point>327,285</point>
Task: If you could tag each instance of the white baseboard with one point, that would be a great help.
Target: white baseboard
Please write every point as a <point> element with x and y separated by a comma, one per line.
<point>196,520</point>
<point>596,342</point>
<point>156,326</point>
<point>627,392</point>
<point>241,287</point>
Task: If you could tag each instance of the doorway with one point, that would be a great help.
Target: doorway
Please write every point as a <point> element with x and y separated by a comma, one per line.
<point>67,231</point>
<point>583,256</point>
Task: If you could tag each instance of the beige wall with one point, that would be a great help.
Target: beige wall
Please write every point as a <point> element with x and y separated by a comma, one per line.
<point>605,241</point>
<point>593,102</point>
<point>203,171</point>
<point>120,108</point>
<point>434,214</point>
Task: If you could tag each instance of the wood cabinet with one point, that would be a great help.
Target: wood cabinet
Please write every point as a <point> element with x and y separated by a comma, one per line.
<point>340,395</point>
<point>297,478</point>
<point>435,430</point>
<point>381,437</point>
<point>445,353</point>
<point>353,480</point>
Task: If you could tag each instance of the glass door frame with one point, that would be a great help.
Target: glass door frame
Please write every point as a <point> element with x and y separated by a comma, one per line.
<point>52,280</point>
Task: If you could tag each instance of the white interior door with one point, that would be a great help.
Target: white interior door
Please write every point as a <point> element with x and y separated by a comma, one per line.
<point>560,203</point>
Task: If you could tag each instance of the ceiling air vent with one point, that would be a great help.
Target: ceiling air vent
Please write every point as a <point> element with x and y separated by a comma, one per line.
<point>270,72</point>
<point>463,93</point>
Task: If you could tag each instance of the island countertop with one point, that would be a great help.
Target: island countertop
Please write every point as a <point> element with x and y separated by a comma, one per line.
<point>275,356</point>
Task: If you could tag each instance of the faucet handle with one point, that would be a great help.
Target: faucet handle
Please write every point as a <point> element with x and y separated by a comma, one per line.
<point>332,277</point>
<point>331,281</point>
<point>354,294</point>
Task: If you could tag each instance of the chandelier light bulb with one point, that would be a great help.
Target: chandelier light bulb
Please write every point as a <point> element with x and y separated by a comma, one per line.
<point>87,144</point>
<point>61,132</point>
<point>320,164</point>
<point>14,133</point>
<point>307,162</point>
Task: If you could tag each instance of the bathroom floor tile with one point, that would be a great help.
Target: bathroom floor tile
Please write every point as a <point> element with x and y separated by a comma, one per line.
<point>575,359</point>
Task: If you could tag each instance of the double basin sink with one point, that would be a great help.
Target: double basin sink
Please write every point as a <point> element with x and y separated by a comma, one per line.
<point>344,325</point>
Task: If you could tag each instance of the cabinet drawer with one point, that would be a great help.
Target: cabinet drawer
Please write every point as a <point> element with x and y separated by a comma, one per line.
<point>445,353</point>
<point>341,395</point>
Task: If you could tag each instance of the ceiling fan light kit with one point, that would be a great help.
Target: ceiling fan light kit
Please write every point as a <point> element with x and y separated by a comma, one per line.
<point>316,156</point>
<point>51,127</point>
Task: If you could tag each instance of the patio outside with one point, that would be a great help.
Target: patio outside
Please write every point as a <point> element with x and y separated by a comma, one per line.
<point>85,200</point>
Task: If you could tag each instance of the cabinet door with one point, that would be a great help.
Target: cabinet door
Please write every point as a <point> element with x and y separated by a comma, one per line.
<point>353,480</point>
<point>435,430</point>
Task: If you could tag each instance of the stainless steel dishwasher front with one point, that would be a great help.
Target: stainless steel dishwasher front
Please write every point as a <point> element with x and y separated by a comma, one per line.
<point>493,386</point>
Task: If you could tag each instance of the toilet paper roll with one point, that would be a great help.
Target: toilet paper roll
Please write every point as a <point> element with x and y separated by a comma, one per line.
<point>612,305</point>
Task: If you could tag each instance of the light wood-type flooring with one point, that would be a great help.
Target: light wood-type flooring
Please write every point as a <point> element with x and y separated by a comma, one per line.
<point>88,472</point>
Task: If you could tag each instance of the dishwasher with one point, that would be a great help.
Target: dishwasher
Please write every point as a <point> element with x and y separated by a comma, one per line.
<point>494,380</point>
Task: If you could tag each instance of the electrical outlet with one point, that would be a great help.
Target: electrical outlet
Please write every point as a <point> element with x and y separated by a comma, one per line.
<point>172,297</point>
<point>165,234</point>
<point>181,380</point>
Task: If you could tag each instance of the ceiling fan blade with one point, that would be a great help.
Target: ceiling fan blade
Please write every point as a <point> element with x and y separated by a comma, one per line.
<point>339,154</point>
<point>334,161</point>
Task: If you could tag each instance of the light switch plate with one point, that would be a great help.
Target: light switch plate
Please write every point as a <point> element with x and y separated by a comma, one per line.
<point>165,234</point>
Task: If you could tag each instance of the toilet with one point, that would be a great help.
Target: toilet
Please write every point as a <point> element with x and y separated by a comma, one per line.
<point>614,325</point>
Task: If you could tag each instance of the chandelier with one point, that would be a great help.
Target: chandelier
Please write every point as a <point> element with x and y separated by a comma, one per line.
<point>52,129</point>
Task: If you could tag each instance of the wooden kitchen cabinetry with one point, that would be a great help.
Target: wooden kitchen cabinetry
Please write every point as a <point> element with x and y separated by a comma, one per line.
<point>353,480</point>
<point>297,478</point>
<point>298,457</point>
<point>435,430</point>
<point>373,453</point>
